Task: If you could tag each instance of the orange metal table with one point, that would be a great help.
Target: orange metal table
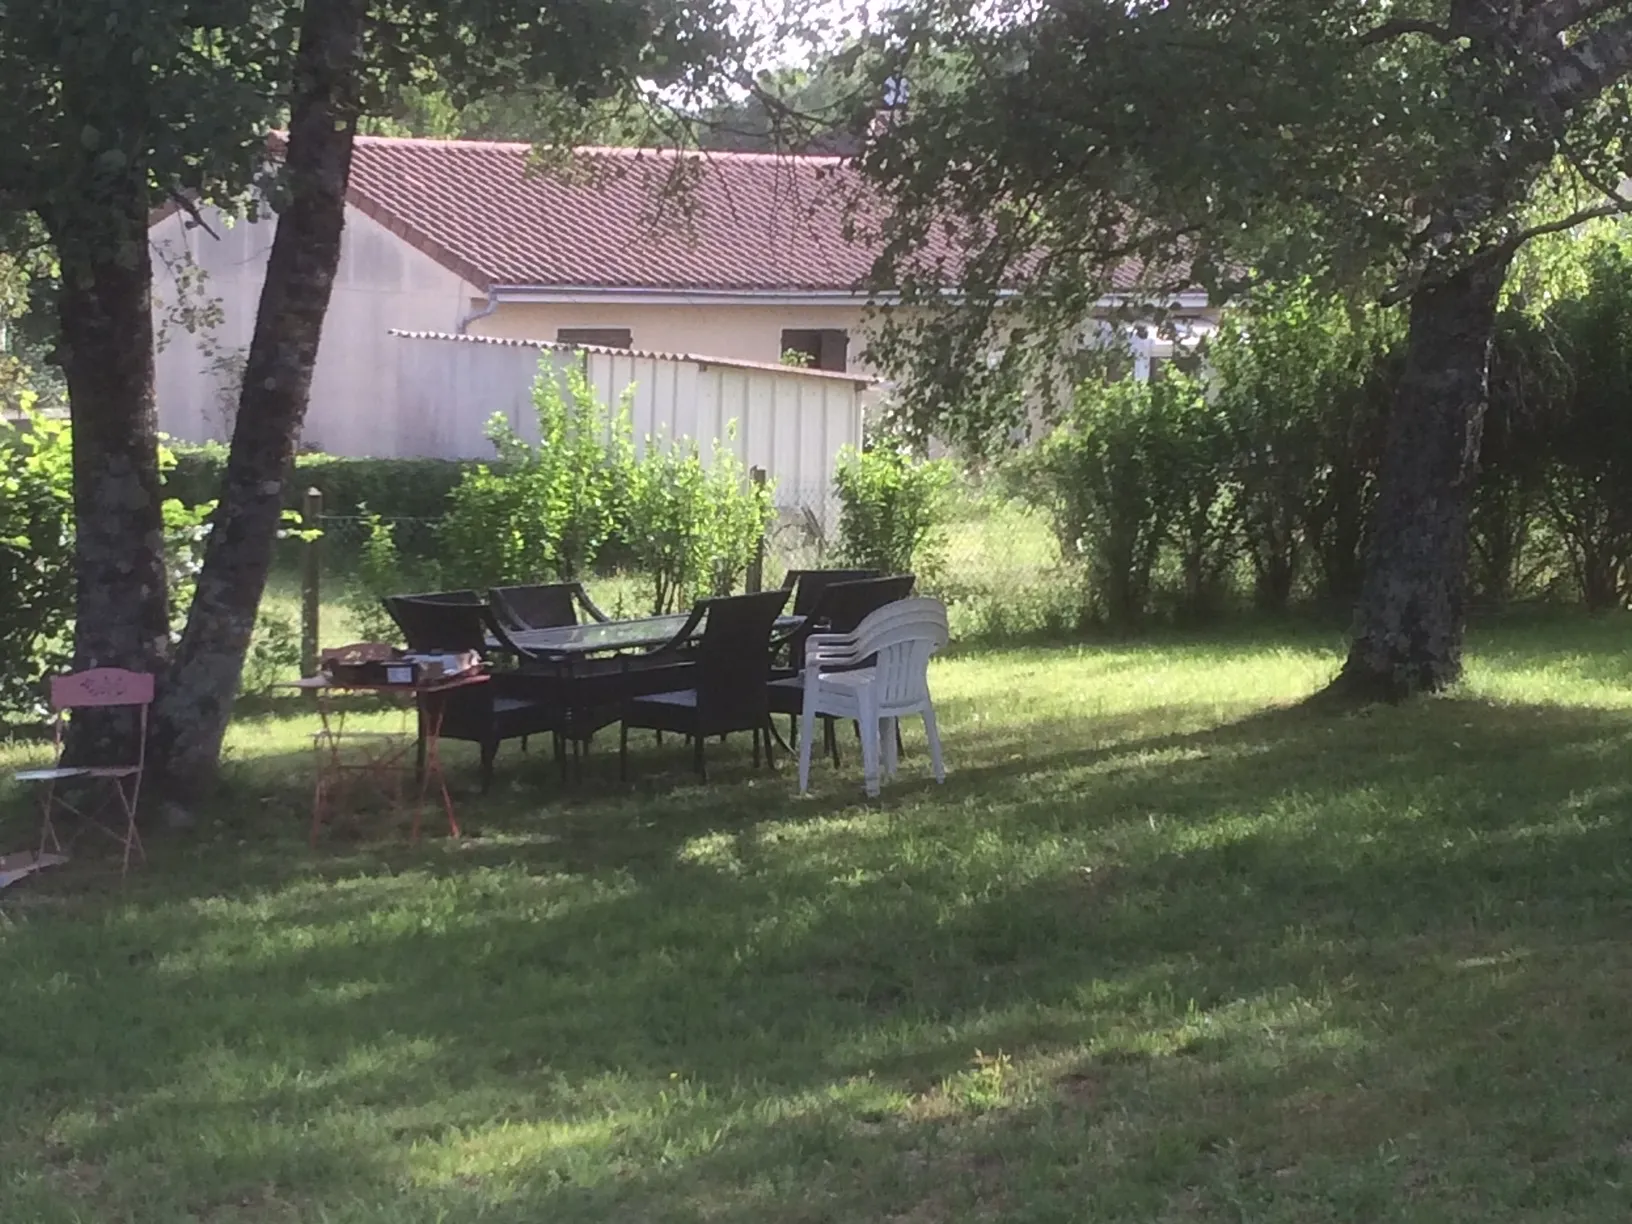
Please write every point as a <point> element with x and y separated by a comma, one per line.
<point>386,762</point>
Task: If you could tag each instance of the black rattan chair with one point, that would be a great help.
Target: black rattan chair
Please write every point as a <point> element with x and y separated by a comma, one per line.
<point>807,585</point>
<point>589,693</point>
<point>432,625</point>
<point>729,689</point>
<point>460,595</point>
<point>511,705</point>
<point>544,605</point>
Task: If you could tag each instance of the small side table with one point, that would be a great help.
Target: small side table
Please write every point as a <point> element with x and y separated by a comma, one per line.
<point>389,759</point>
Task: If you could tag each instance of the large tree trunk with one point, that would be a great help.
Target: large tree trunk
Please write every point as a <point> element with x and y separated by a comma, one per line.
<point>1408,626</point>
<point>105,349</point>
<point>197,700</point>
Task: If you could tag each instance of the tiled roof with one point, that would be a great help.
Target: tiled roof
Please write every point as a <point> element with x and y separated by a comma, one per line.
<point>619,218</point>
<point>628,218</point>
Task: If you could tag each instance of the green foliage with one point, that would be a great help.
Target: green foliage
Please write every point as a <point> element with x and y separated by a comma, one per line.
<point>892,509</point>
<point>548,507</point>
<point>379,572</point>
<point>1588,492</point>
<point>395,488</point>
<point>36,558</point>
<point>693,528</point>
<point>186,530</point>
<point>274,654</point>
<point>1363,144</point>
<point>1303,380</point>
<point>1137,467</point>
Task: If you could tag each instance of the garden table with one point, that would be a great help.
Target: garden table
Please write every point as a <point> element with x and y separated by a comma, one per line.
<point>383,757</point>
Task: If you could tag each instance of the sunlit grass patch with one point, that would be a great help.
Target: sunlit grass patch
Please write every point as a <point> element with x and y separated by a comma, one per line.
<point>1168,945</point>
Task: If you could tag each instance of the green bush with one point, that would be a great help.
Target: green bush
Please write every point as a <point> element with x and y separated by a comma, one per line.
<point>1303,381</point>
<point>36,559</point>
<point>396,489</point>
<point>692,529</point>
<point>274,654</point>
<point>1102,484</point>
<point>1588,498</point>
<point>1138,470</point>
<point>893,509</point>
<point>546,509</point>
<point>379,572</point>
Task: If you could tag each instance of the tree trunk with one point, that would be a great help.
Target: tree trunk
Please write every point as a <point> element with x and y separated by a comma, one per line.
<point>104,311</point>
<point>1408,625</point>
<point>197,701</point>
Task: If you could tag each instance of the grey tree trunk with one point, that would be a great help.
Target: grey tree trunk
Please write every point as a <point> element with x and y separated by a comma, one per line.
<point>104,312</point>
<point>197,700</point>
<point>1409,621</point>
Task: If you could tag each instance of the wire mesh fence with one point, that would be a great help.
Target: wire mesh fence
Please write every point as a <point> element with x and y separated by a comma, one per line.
<point>995,562</point>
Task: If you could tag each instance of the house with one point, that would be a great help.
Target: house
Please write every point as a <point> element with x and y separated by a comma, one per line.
<point>733,257</point>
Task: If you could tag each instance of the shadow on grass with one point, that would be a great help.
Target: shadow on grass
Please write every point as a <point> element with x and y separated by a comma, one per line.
<point>1233,966</point>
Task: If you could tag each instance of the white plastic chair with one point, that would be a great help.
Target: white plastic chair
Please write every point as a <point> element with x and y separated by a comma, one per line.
<point>902,635</point>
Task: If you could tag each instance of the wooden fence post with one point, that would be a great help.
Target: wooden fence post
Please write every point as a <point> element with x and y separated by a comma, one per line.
<point>311,580</point>
<point>756,568</point>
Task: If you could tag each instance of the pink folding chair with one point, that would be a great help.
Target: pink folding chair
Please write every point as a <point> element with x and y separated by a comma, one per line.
<point>97,688</point>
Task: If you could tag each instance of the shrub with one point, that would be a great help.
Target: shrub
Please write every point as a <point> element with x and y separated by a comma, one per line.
<point>1138,467</point>
<point>413,491</point>
<point>1510,549</point>
<point>186,531</point>
<point>892,509</point>
<point>274,654</point>
<point>692,530</point>
<point>36,558</point>
<point>548,507</point>
<point>1204,525</point>
<point>379,572</point>
<point>1589,487</point>
<point>1303,381</point>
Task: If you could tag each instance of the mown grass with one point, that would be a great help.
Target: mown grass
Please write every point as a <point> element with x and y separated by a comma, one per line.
<point>1166,947</point>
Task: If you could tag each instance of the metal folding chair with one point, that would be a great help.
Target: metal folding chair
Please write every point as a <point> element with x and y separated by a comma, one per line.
<point>97,688</point>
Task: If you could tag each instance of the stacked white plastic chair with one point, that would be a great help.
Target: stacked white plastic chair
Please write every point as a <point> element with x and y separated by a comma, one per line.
<point>902,635</point>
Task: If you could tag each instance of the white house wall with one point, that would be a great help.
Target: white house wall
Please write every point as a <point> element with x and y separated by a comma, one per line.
<point>382,283</point>
<point>738,332</point>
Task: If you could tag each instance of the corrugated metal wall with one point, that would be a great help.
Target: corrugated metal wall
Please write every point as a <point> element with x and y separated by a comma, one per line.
<point>790,422</point>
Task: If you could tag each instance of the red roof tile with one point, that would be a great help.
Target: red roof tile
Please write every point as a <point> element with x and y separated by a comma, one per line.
<point>742,221</point>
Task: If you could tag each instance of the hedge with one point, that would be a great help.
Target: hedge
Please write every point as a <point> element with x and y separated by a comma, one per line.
<point>391,488</point>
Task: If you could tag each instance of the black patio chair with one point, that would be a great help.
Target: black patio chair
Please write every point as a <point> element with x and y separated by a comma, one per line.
<point>431,624</point>
<point>459,595</point>
<point>807,585</point>
<point>543,605</point>
<point>839,608</point>
<point>511,705</point>
<point>729,689</point>
<point>588,693</point>
<point>842,607</point>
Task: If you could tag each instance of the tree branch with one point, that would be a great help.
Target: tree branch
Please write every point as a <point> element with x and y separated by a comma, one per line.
<point>1590,65</point>
<point>189,207</point>
<point>1607,209</point>
<point>1400,26</point>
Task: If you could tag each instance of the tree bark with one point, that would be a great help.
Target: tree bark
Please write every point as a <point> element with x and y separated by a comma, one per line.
<point>105,350</point>
<point>197,700</point>
<point>1409,620</point>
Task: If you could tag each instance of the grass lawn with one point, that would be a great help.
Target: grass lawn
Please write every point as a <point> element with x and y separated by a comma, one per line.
<point>1164,948</point>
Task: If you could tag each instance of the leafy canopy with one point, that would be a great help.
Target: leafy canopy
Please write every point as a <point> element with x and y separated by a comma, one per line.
<point>1211,142</point>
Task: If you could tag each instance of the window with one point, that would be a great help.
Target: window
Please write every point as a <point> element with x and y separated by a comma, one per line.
<point>825,348</point>
<point>603,337</point>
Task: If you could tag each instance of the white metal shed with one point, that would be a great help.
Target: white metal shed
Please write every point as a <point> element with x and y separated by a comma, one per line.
<point>788,420</point>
